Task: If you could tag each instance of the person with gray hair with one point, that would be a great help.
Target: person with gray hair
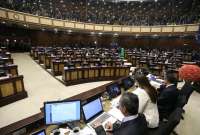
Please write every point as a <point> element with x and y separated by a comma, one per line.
<point>132,123</point>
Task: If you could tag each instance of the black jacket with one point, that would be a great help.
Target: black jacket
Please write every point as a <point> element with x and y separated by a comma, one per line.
<point>167,101</point>
<point>136,126</point>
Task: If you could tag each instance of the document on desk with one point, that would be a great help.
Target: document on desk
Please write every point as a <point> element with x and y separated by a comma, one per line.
<point>116,113</point>
<point>115,102</point>
<point>87,131</point>
<point>155,84</point>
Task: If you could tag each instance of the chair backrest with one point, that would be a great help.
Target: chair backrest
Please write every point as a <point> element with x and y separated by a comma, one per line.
<point>181,101</point>
<point>167,128</point>
<point>173,121</point>
<point>187,90</point>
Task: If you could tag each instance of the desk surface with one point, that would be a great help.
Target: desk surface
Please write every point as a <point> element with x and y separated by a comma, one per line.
<point>106,106</point>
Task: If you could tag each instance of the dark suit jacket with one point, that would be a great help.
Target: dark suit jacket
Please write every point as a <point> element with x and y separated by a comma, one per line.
<point>136,126</point>
<point>167,101</point>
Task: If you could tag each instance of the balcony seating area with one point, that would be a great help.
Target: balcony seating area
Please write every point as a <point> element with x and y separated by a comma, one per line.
<point>162,12</point>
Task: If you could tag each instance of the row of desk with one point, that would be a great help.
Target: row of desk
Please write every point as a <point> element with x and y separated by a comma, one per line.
<point>76,68</point>
<point>11,84</point>
<point>57,63</point>
<point>88,74</point>
<point>108,105</point>
<point>10,69</point>
<point>57,66</point>
<point>11,90</point>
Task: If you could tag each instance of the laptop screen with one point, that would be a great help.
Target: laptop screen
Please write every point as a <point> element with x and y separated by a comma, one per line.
<point>113,90</point>
<point>92,109</point>
<point>62,111</point>
<point>127,83</point>
<point>41,132</point>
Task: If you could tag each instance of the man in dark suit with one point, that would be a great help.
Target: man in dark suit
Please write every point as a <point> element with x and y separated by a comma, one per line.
<point>133,123</point>
<point>167,97</point>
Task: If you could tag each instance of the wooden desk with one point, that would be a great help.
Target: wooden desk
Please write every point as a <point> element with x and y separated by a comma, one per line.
<point>11,69</point>
<point>89,74</point>
<point>11,90</point>
<point>48,60</point>
<point>5,54</point>
<point>105,102</point>
<point>41,57</point>
<point>7,60</point>
<point>57,67</point>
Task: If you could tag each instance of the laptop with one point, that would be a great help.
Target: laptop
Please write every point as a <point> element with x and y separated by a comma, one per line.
<point>40,132</point>
<point>113,90</point>
<point>94,114</point>
<point>127,83</point>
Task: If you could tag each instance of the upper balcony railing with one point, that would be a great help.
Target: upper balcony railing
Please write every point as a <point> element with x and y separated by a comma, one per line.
<point>25,18</point>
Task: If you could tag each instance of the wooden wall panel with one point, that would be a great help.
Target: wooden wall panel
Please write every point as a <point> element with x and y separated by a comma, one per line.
<point>3,14</point>
<point>167,29</point>
<point>45,21</point>
<point>58,23</point>
<point>98,27</point>
<point>89,27</point>
<point>32,19</point>
<point>53,39</point>
<point>156,29</point>
<point>7,89</point>
<point>79,25</point>
<point>192,28</point>
<point>126,29</point>
<point>145,29</point>
<point>179,29</point>
<point>117,29</point>
<point>69,24</point>
<point>108,28</point>
<point>135,29</point>
<point>15,16</point>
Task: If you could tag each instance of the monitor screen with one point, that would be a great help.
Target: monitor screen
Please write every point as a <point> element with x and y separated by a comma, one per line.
<point>92,109</point>
<point>41,132</point>
<point>62,112</point>
<point>113,90</point>
<point>151,77</point>
<point>127,83</point>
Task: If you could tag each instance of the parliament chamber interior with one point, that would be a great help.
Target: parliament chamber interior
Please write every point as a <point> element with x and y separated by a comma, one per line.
<point>99,67</point>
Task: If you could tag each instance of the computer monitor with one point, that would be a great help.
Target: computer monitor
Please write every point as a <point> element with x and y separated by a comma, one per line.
<point>151,77</point>
<point>113,90</point>
<point>61,112</point>
<point>127,83</point>
<point>92,109</point>
<point>40,132</point>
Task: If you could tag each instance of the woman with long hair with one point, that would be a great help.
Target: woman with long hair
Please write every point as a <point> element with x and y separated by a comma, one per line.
<point>147,95</point>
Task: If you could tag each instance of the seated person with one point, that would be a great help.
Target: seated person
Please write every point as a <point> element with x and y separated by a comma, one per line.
<point>141,71</point>
<point>147,95</point>
<point>167,97</point>
<point>133,123</point>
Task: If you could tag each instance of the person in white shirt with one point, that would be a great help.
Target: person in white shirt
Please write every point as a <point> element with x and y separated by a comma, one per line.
<point>147,95</point>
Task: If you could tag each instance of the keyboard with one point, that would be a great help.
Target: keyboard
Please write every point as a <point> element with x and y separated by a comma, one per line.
<point>100,119</point>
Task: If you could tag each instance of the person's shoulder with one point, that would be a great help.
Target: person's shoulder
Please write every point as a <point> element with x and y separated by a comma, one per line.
<point>171,87</point>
